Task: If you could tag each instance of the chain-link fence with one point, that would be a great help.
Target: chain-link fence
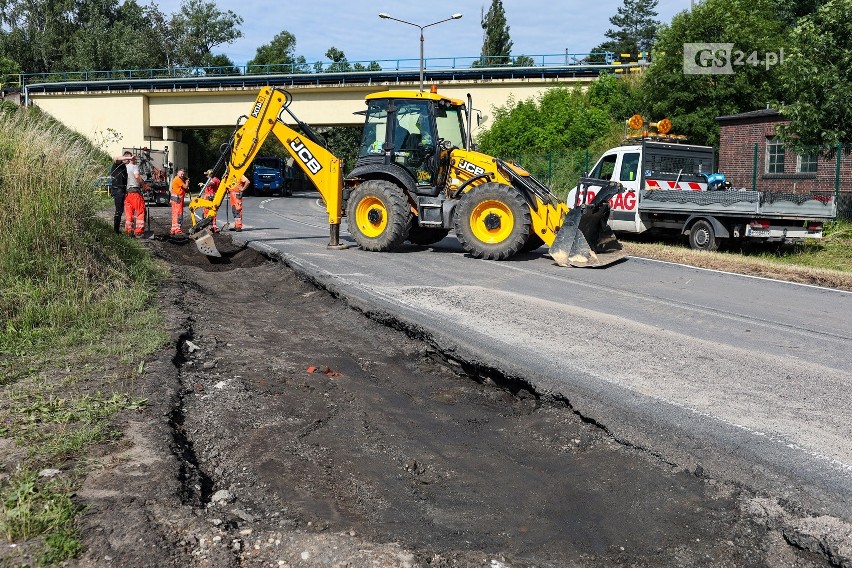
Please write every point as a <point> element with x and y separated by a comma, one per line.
<point>558,170</point>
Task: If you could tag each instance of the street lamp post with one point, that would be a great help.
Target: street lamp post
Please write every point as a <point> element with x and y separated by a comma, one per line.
<point>385,16</point>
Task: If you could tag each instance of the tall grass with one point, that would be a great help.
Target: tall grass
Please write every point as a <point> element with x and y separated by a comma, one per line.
<point>76,315</point>
<point>61,271</point>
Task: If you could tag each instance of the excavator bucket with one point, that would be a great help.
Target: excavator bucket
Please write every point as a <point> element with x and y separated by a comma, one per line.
<point>585,239</point>
<point>205,243</point>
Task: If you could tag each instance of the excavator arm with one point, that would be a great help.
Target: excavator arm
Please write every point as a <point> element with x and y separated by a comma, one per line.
<point>306,148</point>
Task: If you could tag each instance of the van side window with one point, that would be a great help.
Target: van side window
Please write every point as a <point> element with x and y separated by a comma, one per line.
<point>605,168</point>
<point>629,166</point>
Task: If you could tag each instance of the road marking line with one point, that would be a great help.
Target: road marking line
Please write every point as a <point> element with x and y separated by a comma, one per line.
<point>745,275</point>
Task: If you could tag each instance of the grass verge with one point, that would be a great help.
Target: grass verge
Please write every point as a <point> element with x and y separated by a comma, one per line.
<point>78,317</point>
<point>823,263</point>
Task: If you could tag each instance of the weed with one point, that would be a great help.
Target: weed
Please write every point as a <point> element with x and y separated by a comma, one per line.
<point>30,507</point>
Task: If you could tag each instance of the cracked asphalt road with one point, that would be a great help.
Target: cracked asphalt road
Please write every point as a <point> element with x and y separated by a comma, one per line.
<point>289,429</point>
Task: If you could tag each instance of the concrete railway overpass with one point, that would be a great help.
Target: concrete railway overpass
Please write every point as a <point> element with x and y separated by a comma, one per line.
<point>153,112</point>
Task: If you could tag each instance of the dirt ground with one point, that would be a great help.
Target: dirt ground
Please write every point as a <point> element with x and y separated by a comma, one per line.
<point>287,429</point>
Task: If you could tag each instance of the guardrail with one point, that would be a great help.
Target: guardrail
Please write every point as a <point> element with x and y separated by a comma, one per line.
<point>13,80</point>
<point>560,60</point>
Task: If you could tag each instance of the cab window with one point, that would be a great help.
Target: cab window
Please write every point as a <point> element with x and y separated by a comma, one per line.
<point>451,125</point>
<point>629,166</point>
<point>605,167</point>
<point>414,126</point>
<point>373,136</point>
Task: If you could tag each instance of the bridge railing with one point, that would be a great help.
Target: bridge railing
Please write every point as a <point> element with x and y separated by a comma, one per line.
<point>544,61</point>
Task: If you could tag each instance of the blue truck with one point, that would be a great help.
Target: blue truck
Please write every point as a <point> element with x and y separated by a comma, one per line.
<point>269,175</point>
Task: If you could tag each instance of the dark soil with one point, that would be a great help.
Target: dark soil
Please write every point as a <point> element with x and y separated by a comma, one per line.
<point>287,429</point>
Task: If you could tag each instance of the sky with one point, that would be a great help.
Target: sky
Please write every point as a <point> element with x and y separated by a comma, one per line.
<point>536,27</point>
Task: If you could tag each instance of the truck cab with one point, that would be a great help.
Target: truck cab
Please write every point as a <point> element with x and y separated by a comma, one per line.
<point>650,166</point>
<point>268,175</point>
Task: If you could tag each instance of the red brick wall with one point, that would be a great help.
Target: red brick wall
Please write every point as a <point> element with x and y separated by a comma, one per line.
<point>736,159</point>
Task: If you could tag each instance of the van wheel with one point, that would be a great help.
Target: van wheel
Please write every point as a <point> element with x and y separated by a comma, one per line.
<point>492,221</point>
<point>378,216</point>
<point>702,236</point>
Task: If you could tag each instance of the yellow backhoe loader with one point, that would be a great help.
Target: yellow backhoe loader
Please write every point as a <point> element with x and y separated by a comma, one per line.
<point>416,178</point>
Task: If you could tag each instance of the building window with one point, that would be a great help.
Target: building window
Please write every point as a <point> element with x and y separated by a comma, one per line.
<point>806,164</point>
<point>774,157</point>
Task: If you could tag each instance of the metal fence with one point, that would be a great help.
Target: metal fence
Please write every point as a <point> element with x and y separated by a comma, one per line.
<point>544,61</point>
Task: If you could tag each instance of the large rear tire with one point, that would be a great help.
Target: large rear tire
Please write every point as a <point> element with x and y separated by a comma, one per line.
<point>378,216</point>
<point>492,221</point>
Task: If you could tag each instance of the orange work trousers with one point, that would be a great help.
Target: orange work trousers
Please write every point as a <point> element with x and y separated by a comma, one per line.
<point>237,208</point>
<point>210,195</point>
<point>134,213</point>
<point>177,214</point>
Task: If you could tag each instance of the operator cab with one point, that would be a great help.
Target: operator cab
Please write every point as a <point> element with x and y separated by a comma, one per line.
<point>411,135</point>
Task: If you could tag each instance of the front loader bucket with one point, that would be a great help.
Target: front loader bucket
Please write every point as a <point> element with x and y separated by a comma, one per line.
<point>570,247</point>
<point>585,239</point>
<point>205,243</point>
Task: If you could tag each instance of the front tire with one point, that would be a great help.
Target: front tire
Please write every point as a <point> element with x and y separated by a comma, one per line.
<point>492,221</point>
<point>378,216</point>
<point>702,236</point>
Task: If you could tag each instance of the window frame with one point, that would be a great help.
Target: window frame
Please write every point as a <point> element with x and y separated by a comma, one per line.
<point>808,159</point>
<point>772,164</point>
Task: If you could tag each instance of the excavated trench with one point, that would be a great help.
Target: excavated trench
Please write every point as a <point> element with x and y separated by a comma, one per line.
<point>196,485</point>
<point>318,419</point>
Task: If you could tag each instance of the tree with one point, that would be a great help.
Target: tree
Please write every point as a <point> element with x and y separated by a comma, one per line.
<point>556,130</point>
<point>339,63</point>
<point>219,65</point>
<point>201,27</point>
<point>816,74</point>
<point>279,55</point>
<point>691,101</point>
<point>8,69</point>
<point>791,10</point>
<point>372,66</point>
<point>559,119</point>
<point>636,25</point>
<point>344,142</point>
<point>496,45</point>
<point>65,36</point>
<point>523,61</point>
<point>37,33</point>
<point>161,35</point>
<point>635,29</point>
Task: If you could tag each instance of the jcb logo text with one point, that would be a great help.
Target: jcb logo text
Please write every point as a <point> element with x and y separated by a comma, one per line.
<point>305,155</point>
<point>470,168</point>
<point>257,106</point>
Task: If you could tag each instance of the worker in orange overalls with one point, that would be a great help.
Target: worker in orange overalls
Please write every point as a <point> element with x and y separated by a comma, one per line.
<point>134,203</point>
<point>209,193</point>
<point>179,187</point>
<point>236,195</point>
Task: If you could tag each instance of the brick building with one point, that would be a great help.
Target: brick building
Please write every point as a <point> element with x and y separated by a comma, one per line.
<point>778,168</point>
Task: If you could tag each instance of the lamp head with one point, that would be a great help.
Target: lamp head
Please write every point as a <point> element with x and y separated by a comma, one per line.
<point>456,16</point>
<point>384,15</point>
